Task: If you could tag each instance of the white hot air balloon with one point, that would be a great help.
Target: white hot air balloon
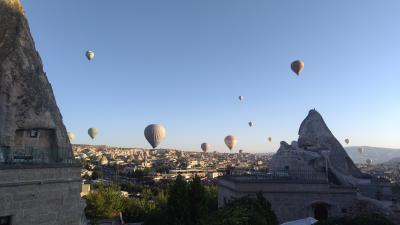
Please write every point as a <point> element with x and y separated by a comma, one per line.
<point>154,133</point>
<point>205,147</point>
<point>71,136</point>
<point>230,141</point>
<point>89,55</point>
<point>93,132</point>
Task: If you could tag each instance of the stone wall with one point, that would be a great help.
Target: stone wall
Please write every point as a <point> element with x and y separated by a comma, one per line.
<point>291,201</point>
<point>41,195</point>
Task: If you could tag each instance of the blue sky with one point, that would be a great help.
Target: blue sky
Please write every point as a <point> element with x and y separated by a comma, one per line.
<point>183,63</point>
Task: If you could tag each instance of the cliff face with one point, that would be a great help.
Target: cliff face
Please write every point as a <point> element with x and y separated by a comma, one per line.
<point>27,101</point>
<point>314,135</point>
<point>316,142</point>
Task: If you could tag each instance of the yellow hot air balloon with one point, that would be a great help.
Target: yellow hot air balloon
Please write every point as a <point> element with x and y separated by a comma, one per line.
<point>230,141</point>
<point>89,55</point>
<point>297,66</point>
<point>93,132</point>
<point>205,147</point>
<point>155,134</point>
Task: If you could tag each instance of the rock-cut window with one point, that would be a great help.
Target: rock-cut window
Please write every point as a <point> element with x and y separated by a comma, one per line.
<point>5,220</point>
<point>33,134</point>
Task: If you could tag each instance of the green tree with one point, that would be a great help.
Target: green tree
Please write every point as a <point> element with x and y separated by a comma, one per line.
<point>159,215</point>
<point>134,211</point>
<point>105,203</point>
<point>198,202</point>
<point>266,205</point>
<point>178,203</point>
<point>97,174</point>
<point>245,211</point>
<point>211,198</point>
<point>162,168</point>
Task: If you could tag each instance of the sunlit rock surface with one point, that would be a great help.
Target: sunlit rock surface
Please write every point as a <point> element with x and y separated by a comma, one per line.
<point>315,143</point>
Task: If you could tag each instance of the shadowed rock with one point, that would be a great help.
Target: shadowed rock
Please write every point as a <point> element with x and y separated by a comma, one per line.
<point>27,103</point>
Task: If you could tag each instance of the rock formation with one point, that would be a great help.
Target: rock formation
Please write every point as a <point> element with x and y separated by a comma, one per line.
<point>315,147</point>
<point>39,181</point>
<point>27,104</point>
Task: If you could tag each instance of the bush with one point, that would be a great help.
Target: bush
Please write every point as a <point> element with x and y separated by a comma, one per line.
<point>106,203</point>
<point>245,211</point>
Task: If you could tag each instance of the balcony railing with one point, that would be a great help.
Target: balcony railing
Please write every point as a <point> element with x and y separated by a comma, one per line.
<point>36,156</point>
<point>281,176</point>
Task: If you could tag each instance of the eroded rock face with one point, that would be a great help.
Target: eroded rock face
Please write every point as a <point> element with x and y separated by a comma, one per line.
<point>29,116</point>
<point>316,136</point>
<point>315,143</point>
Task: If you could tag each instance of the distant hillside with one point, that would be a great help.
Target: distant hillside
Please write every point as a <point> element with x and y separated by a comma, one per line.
<point>377,154</point>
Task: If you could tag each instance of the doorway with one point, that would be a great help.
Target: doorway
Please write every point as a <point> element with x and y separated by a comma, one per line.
<point>320,211</point>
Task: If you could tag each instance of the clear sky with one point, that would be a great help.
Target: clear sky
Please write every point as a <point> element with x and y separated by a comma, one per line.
<point>183,63</point>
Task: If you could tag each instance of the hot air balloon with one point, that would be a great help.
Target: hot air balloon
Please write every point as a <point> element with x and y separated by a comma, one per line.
<point>230,141</point>
<point>250,124</point>
<point>241,97</point>
<point>93,132</point>
<point>347,141</point>
<point>205,147</point>
<point>89,55</point>
<point>360,150</point>
<point>269,139</point>
<point>368,161</point>
<point>71,136</point>
<point>240,151</point>
<point>154,134</point>
<point>297,66</point>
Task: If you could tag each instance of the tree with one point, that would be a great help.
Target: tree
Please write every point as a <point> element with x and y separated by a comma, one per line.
<point>162,168</point>
<point>266,205</point>
<point>105,203</point>
<point>159,214</point>
<point>97,174</point>
<point>134,211</point>
<point>245,211</point>
<point>198,202</point>
<point>178,203</point>
<point>211,198</point>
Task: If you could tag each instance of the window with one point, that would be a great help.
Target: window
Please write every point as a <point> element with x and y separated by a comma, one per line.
<point>5,220</point>
<point>33,133</point>
<point>286,168</point>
